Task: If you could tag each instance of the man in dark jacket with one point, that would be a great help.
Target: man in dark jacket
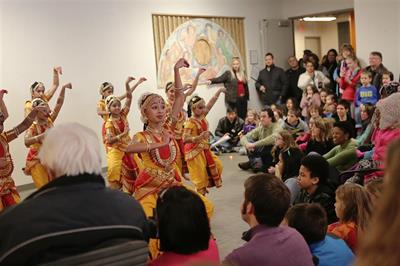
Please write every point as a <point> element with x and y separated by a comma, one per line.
<point>73,214</point>
<point>313,181</point>
<point>293,74</point>
<point>230,125</point>
<point>272,82</point>
<point>376,68</point>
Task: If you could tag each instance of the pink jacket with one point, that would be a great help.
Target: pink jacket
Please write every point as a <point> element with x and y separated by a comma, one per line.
<point>381,139</point>
<point>307,103</point>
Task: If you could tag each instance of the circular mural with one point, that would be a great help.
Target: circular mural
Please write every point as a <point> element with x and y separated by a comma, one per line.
<point>202,43</point>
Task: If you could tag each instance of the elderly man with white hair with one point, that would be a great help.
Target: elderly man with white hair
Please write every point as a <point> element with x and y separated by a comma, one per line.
<point>73,214</point>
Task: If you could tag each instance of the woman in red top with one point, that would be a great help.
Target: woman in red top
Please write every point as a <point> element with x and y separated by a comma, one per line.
<point>237,90</point>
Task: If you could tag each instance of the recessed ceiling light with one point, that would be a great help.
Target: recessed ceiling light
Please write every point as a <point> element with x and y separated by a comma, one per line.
<point>319,18</point>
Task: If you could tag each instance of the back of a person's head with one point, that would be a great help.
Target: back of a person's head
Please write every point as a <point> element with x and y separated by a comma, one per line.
<point>318,167</point>
<point>183,225</point>
<point>269,197</point>
<point>355,205</point>
<point>291,162</point>
<point>71,149</point>
<point>310,220</point>
<point>380,245</point>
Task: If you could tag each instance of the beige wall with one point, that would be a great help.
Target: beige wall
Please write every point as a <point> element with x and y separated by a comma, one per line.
<point>327,31</point>
<point>96,41</point>
<point>378,29</point>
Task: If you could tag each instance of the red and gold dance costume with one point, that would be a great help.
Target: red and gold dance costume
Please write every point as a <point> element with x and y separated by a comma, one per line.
<point>101,105</point>
<point>160,171</point>
<point>178,133</point>
<point>8,192</point>
<point>204,166</point>
<point>33,166</point>
<point>123,168</point>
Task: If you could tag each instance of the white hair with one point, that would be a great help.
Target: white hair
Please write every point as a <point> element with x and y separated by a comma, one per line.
<point>71,149</point>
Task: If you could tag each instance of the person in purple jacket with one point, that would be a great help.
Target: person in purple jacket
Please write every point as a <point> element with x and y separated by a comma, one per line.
<point>266,200</point>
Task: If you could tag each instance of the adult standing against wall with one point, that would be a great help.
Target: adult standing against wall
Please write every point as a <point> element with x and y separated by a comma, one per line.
<point>293,74</point>
<point>329,66</point>
<point>237,90</point>
<point>272,82</point>
<point>376,68</point>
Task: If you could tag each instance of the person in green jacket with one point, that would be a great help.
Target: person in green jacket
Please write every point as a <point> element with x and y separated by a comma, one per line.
<point>343,155</point>
<point>259,142</point>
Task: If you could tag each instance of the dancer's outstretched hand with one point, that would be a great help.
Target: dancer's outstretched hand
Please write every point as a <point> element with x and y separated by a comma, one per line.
<point>58,69</point>
<point>129,80</point>
<point>67,86</point>
<point>181,63</point>
<point>2,92</point>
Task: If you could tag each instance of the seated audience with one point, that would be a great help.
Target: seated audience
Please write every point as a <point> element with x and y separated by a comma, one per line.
<point>343,115</point>
<point>315,111</point>
<point>291,104</point>
<point>231,125</point>
<point>330,106</point>
<point>380,245</point>
<point>343,155</point>
<point>266,201</point>
<point>353,208</point>
<point>251,121</point>
<point>287,156</point>
<point>313,181</point>
<point>364,138</point>
<point>320,142</point>
<point>323,94</point>
<point>74,213</point>
<point>183,229</point>
<point>259,143</point>
<point>294,124</point>
<point>311,222</point>
<point>366,94</point>
<point>310,98</point>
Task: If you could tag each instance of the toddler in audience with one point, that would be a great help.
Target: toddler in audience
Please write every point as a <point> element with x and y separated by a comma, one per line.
<point>353,208</point>
<point>310,98</point>
<point>330,105</point>
<point>294,124</point>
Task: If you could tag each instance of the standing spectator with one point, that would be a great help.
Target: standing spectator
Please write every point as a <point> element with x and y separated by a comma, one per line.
<point>266,201</point>
<point>346,51</point>
<point>376,68</point>
<point>259,142</point>
<point>311,222</point>
<point>293,74</point>
<point>237,90</point>
<point>230,125</point>
<point>75,212</point>
<point>350,79</point>
<point>272,82</point>
<point>312,77</point>
<point>329,66</point>
<point>366,94</point>
<point>304,59</point>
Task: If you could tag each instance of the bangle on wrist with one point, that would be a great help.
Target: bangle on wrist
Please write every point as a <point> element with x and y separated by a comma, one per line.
<point>147,147</point>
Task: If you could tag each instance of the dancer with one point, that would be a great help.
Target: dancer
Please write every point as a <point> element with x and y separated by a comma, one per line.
<point>178,125</point>
<point>204,166</point>
<point>8,191</point>
<point>107,89</point>
<point>123,168</point>
<point>38,90</point>
<point>159,151</point>
<point>35,134</point>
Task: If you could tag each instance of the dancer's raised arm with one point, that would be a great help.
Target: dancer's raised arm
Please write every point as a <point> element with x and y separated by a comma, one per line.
<point>3,107</point>
<point>60,101</point>
<point>57,71</point>
<point>214,99</point>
